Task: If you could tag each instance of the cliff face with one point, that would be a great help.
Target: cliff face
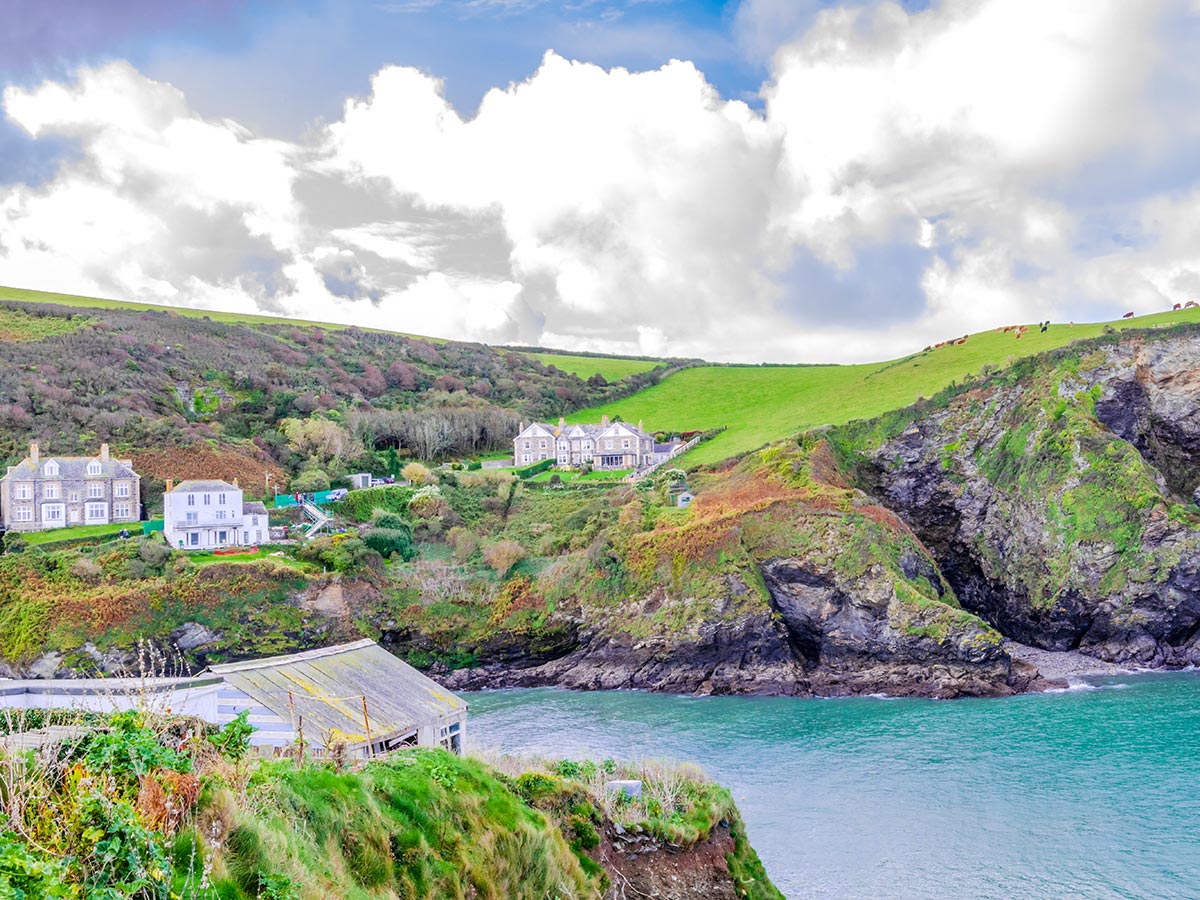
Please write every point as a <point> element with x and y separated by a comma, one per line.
<point>1059,505</point>
<point>781,580</point>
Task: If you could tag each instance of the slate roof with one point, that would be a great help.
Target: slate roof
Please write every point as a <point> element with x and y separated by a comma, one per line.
<point>328,686</point>
<point>197,484</point>
<point>254,508</point>
<point>71,468</point>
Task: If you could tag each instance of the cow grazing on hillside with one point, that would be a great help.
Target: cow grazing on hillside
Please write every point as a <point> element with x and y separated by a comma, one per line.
<point>1127,315</point>
<point>1177,306</point>
<point>1191,304</point>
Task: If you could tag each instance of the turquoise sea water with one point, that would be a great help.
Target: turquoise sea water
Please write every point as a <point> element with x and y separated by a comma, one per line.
<point>1087,793</point>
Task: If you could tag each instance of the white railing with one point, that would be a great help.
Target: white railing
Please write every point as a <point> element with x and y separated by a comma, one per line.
<point>683,448</point>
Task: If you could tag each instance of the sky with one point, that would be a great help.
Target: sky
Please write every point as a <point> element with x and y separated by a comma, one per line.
<point>763,180</point>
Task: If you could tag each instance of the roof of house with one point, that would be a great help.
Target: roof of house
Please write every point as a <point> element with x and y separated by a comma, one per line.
<point>582,431</point>
<point>254,508</point>
<point>328,687</point>
<point>199,484</point>
<point>72,467</point>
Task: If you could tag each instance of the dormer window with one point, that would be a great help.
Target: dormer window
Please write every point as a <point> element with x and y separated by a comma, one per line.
<point>93,468</point>
<point>50,470</point>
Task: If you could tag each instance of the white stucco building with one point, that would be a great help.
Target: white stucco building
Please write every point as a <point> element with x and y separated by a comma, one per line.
<point>209,515</point>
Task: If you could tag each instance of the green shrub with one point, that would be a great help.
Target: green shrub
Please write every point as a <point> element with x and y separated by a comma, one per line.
<point>386,541</point>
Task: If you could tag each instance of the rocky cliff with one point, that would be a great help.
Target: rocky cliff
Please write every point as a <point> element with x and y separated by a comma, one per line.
<point>1058,500</point>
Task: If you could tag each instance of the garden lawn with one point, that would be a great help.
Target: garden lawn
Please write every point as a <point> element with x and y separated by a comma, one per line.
<point>78,532</point>
<point>586,366</point>
<point>570,477</point>
<point>761,404</point>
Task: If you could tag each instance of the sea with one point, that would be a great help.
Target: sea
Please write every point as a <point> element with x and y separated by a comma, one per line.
<point>1088,792</point>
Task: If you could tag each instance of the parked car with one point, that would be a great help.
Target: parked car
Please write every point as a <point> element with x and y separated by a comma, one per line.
<point>337,494</point>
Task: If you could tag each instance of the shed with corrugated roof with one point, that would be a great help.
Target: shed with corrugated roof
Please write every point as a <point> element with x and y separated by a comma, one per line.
<point>357,695</point>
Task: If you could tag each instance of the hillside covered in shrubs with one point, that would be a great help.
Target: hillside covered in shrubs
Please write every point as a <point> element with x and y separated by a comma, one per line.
<point>296,398</point>
<point>150,806</point>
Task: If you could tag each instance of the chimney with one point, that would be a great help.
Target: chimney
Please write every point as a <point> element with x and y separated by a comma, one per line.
<point>562,422</point>
<point>520,426</point>
<point>104,452</point>
<point>235,484</point>
<point>640,428</point>
<point>33,453</point>
<point>170,485</point>
<point>604,421</point>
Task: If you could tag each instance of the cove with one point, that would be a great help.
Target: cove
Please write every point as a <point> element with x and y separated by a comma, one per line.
<point>1092,792</point>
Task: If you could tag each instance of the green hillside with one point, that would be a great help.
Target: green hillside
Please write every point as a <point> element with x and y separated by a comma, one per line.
<point>609,368</point>
<point>24,295</point>
<point>760,404</point>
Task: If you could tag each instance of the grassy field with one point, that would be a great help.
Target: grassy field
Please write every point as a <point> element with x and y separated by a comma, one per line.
<point>79,532</point>
<point>24,295</point>
<point>760,404</point>
<point>587,366</point>
<point>572,477</point>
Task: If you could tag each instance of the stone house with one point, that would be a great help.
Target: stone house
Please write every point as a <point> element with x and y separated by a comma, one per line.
<point>609,445</point>
<point>211,514</point>
<point>40,493</point>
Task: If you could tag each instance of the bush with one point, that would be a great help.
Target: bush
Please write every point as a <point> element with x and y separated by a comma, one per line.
<point>503,555</point>
<point>385,519</point>
<point>417,474</point>
<point>531,470</point>
<point>386,541</point>
<point>310,481</point>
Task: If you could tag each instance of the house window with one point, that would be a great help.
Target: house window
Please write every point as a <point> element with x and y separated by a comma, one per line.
<point>220,514</point>
<point>52,512</point>
<point>121,510</point>
<point>193,518</point>
<point>95,490</point>
<point>220,499</point>
<point>222,537</point>
<point>528,445</point>
<point>246,538</point>
<point>51,469</point>
<point>258,536</point>
<point>96,512</point>
<point>93,468</point>
<point>207,499</point>
<point>73,496</point>
<point>23,514</point>
<point>191,499</point>
<point>53,491</point>
<point>542,444</point>
<point>254,520</point>
<point>24,491</point>
<point>194,539</point>
<point>121,489</point>
<point>625,444</point>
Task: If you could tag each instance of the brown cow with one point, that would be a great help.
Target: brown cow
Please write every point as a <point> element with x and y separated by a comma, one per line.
<point>1177,306</point>
<point>1191,304</point>
<point>960,341</point>
<point>1127,315</point>
<point>1019,333</point>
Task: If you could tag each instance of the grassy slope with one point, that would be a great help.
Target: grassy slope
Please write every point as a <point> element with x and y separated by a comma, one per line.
<point>587,366</point>
<point>25,295</point>
<point>760,404</point>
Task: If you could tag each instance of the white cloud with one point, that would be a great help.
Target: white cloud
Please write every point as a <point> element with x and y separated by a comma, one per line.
<point>994,160</point>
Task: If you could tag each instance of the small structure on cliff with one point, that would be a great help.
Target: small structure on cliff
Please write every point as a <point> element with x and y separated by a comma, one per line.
<point>355,698</point>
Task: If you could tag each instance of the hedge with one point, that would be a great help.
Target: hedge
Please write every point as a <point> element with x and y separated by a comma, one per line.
<point>539,466</point>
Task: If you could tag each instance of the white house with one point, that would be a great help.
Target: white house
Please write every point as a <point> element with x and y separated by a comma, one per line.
<point>207,515</point>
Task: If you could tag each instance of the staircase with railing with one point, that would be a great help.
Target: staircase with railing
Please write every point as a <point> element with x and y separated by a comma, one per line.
<point>317,519</point>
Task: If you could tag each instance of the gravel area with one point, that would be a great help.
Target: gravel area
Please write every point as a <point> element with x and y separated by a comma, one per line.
<point>1061,664</point>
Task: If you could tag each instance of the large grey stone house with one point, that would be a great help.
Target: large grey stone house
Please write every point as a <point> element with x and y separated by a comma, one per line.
<point>39,492</point>
<point>615,445</point>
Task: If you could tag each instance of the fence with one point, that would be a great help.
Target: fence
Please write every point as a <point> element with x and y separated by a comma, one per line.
<point>320,498</point>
